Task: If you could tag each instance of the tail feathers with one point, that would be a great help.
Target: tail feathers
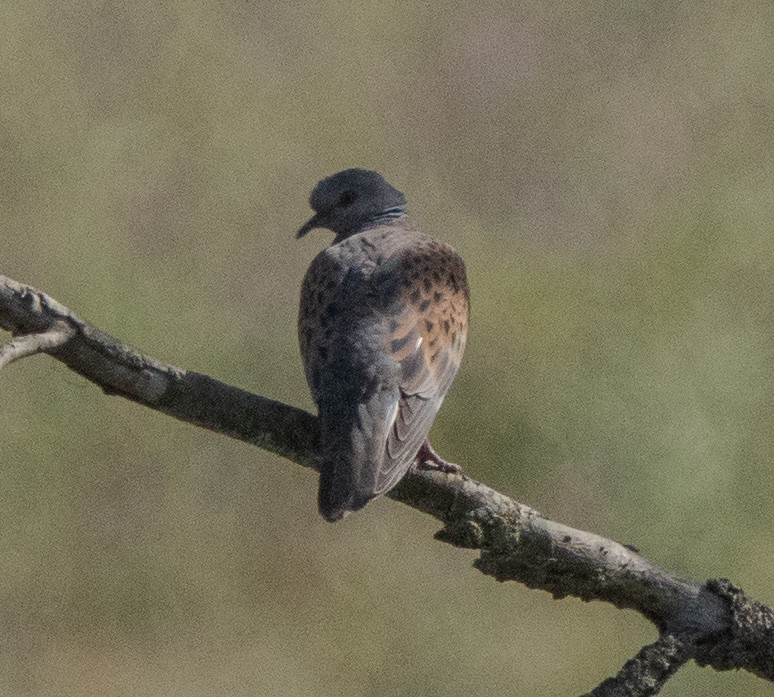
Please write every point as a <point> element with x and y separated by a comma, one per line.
<point>338,494</point>
<point>353,446</point>
<point>353,435</point>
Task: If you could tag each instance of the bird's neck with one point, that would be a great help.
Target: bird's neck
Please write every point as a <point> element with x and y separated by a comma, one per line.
<point>390,216</point>
<point>390,213</point>
<point>397,214</point>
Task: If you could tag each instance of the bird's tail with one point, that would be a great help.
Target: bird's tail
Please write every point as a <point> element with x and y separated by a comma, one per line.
<point>338,494</point>
<point>353,443</point>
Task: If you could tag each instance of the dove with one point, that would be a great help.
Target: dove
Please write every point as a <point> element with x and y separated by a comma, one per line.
<point>382,326</point>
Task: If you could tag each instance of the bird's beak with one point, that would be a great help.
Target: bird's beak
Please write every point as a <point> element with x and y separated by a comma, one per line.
<point>310,224</point>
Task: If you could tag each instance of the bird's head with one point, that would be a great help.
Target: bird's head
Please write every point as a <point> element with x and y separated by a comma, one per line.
<point>349,201</point>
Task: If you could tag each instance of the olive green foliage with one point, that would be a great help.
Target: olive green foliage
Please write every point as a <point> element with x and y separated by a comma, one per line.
<point>605,168</point>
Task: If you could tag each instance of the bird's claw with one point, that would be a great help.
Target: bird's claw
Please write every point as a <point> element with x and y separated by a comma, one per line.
<point>428,459</point>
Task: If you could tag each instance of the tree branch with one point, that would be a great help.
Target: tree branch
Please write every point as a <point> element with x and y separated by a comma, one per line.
<point>29,344</point>
<point>714,622</point>
<point>646,673</point>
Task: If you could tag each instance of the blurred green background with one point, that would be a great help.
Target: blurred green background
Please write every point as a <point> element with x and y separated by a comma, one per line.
<point>605,168</point>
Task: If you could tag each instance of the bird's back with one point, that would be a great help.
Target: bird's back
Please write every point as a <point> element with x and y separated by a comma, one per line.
<point>382,327</point>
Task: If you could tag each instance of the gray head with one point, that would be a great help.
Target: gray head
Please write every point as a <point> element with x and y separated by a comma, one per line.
<point>349,201</point>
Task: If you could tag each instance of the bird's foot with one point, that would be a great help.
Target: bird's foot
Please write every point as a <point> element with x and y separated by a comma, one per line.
<point>428,459</point>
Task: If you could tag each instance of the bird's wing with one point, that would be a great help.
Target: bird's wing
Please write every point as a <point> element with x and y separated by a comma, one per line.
<point>426,329</point>
<point>323,306</point>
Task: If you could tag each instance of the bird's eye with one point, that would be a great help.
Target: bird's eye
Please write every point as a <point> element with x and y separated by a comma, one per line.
<point>347,198</point>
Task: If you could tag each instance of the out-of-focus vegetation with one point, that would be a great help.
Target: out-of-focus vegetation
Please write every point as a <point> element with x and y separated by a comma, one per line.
<point>605,168</point>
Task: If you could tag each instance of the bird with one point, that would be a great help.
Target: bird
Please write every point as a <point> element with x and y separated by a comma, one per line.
<point>382,325</point>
